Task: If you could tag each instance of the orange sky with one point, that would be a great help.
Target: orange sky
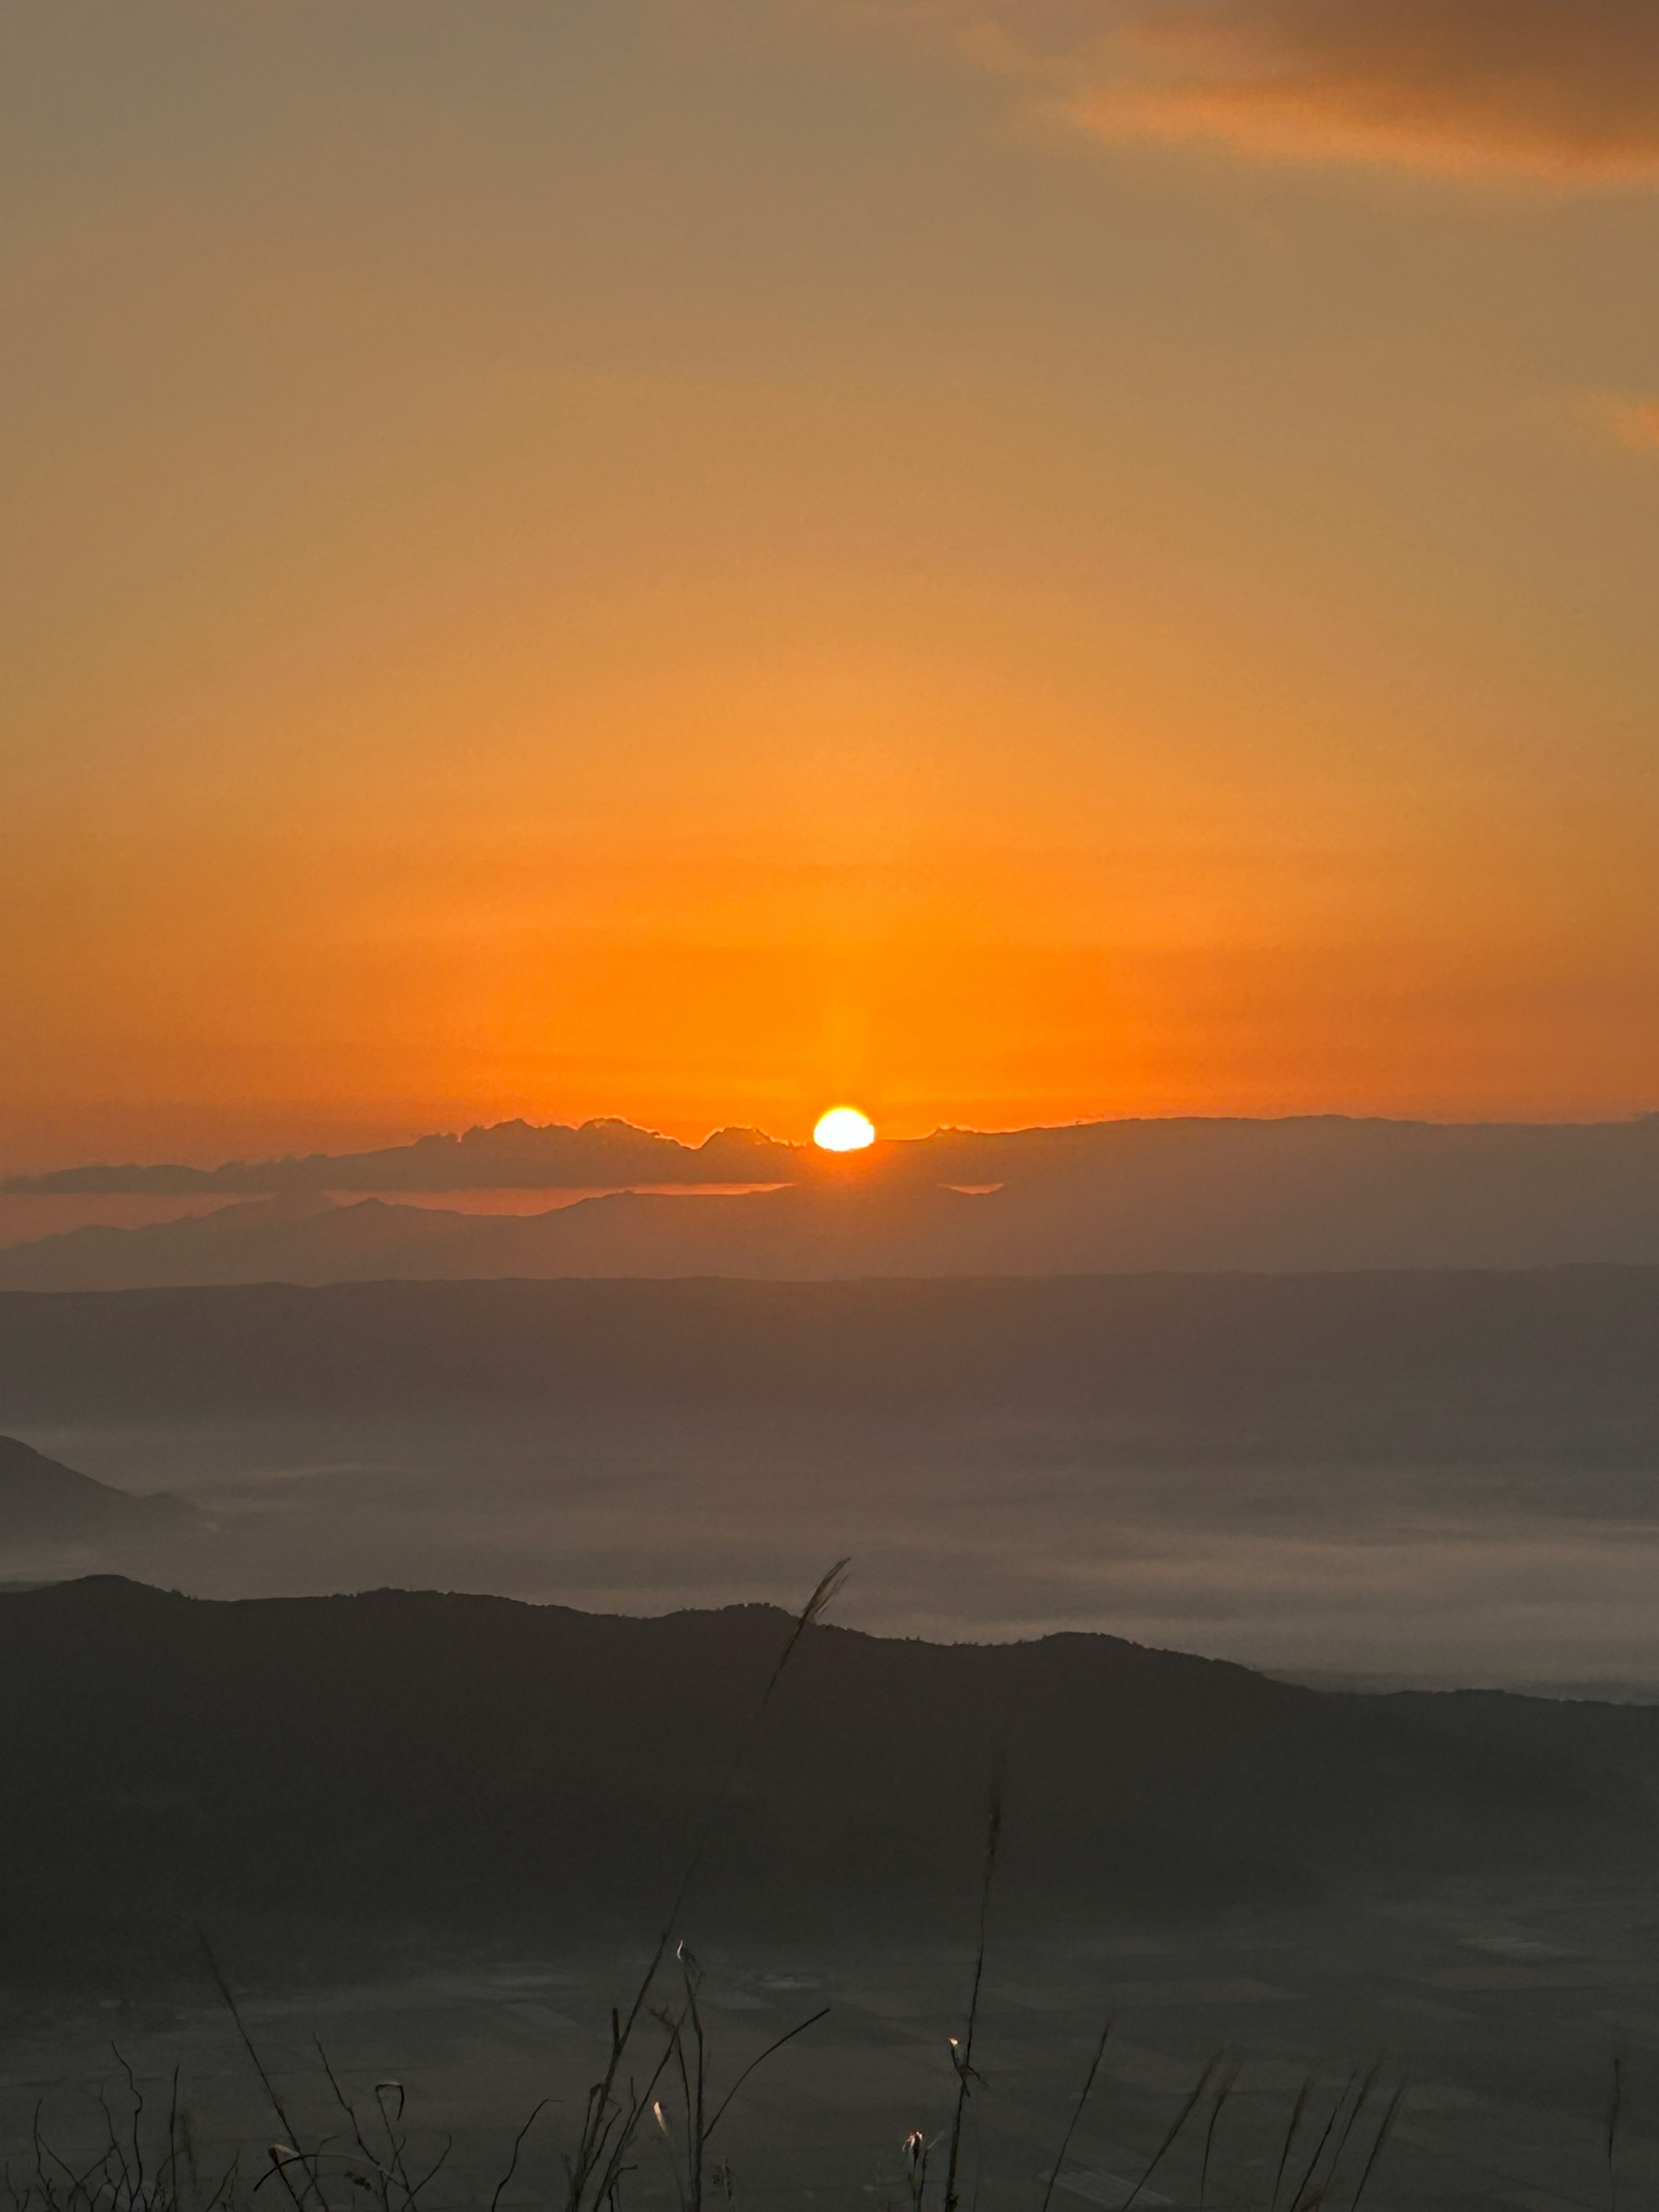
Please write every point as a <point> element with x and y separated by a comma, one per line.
<point>1003,562</point>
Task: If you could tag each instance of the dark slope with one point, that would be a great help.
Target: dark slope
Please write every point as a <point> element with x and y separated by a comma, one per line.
<point>1535,1364</point>
<point>42,1501</point>
<point>397,1755</point>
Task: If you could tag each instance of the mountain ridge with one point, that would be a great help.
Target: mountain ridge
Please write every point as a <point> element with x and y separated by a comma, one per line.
<point>1313,1195</point>
<point>175,1756</point>
<point>609,1151</point>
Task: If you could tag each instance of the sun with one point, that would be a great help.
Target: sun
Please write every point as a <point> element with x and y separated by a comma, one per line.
<point>844,1129</point>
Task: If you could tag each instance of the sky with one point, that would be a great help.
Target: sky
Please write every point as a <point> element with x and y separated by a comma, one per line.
<point>999,560</point>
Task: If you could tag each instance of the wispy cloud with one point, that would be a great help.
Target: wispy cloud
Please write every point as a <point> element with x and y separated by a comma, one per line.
<point>1636,422</point>
<point>1559,90</point>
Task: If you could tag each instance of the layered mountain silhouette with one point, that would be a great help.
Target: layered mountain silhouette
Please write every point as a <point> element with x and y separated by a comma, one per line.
<point>508,1155</point>
<point>1273,1196</point>
<point>42,1501</point>
<point>1586,1158</point>
<point>394,1754</point>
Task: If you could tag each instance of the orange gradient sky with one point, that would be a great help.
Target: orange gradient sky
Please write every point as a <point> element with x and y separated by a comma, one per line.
<point>1003,562</point>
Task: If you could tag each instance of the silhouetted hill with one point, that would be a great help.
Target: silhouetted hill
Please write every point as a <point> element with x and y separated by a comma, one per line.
<point>43,1502</point>
<point>397,1755</point>
<point>1315,1193</point>
<point>790,1234</point>
<point>1522,1364</point>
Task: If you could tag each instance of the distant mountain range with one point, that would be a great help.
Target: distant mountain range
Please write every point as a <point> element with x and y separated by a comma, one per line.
<point>393,1755</point>
<point>1119,1196</point>
<point>1512,1369</point>
<point>507,1155</point>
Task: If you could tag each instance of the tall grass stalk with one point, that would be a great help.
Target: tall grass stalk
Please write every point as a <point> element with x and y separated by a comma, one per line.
<point>1298,2113</point>
<point>690,2055</point>
<point>609,2126</point>
<point>961,2052</point>
<point>1223,2089</point>
<point>1615,2114</point>
<point>1089,2079</point>
<point>123,2177</point>
<point>1196,2097</point>
<point>1381,2136</point>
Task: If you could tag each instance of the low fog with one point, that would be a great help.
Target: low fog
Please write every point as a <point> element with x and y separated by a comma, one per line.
<point>1501,1571</point>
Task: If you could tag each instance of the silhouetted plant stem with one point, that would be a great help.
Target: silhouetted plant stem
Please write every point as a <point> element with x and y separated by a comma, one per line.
<point>274,2097</point>
<point>505,2182</point>
<point>1382,2134</point>
<point>1196,2097</point>
<point>1615,2114</point>
<point>582,2169</point>
<point>1224,2090</point>
<point>1297,2112</point>
<point>1300,2198</point>
<point>1076,2113</point>
<point>1348,2126</point>
<point>962,2054</point>
<point>788,2036</point>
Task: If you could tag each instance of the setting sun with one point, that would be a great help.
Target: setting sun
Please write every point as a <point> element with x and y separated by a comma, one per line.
<point>844,1129</point>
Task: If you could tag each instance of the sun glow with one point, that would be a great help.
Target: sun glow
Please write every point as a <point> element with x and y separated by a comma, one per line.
<point>844,1129</point>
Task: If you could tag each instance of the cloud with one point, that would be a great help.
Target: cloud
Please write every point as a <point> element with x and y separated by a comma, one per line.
<point>1636,422</point>
<point>1559,90</point>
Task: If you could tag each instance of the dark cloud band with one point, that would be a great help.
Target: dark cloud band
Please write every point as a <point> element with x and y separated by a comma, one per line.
<point>1557,90</point>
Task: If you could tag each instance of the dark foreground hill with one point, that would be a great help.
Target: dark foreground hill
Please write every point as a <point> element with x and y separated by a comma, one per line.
<point>398,1760</point>
<point>1521,1364</point>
